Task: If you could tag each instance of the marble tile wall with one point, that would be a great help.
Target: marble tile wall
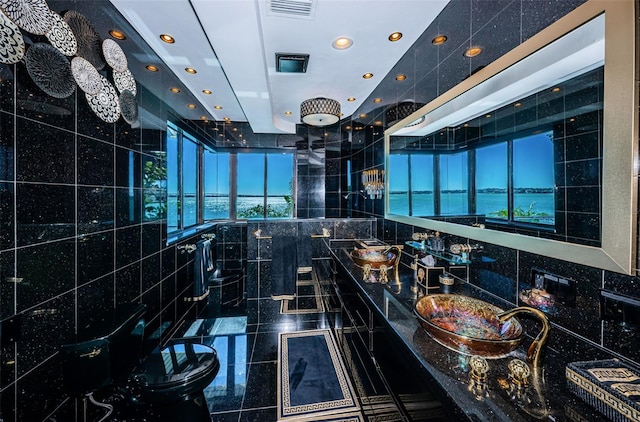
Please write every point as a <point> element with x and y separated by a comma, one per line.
<point>75,239</point>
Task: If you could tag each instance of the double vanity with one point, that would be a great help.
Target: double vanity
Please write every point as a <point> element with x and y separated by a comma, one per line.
<point>503,378</point>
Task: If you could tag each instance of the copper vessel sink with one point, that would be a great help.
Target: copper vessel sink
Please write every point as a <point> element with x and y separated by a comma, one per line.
<point>373,257</point>
<point>467,325</point>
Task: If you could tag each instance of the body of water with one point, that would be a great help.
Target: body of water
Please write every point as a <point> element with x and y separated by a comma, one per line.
<point>217,208</point>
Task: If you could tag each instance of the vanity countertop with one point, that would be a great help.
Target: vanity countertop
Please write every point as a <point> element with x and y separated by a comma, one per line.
<point>547,396</point>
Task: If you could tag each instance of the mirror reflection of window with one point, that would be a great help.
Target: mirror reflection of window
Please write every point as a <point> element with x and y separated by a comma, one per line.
<point>454,184</point>
<point>422,185</point>
<point>492,181</point>
<point>533,179</point>
<point>399,184</point>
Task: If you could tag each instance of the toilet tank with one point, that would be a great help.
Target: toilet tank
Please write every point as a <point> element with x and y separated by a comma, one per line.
<point>107,349</point>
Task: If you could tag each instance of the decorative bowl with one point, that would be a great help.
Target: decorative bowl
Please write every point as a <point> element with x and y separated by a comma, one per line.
<point>373,257</point>
<point>467,325</point>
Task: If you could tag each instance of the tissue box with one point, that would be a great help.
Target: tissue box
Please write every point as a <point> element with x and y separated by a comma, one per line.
<point>610,386</point>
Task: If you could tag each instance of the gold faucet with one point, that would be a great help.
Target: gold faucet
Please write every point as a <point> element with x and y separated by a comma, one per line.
<point>534,353</point>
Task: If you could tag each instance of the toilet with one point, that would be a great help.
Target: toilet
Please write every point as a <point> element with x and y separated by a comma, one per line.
<point>167,385</point>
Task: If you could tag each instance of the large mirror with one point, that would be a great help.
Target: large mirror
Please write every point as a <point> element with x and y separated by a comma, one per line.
<point>537,151</point>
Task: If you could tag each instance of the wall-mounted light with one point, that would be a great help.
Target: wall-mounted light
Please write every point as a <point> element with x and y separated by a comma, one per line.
<point>373,182</point>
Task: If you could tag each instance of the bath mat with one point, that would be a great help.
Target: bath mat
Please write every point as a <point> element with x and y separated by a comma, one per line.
<point>312,381</point>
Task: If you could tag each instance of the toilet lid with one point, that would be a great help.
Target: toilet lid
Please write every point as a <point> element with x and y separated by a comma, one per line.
<point>178,365</point>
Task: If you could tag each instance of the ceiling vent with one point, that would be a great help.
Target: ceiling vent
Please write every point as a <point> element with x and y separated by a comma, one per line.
<point>291,8</point>
<point>291,63</point>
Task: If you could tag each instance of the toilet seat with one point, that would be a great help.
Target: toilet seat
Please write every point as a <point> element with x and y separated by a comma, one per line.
<point>177,371</point>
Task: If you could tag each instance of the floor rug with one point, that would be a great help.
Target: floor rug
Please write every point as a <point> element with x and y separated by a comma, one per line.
<point>312,379</point>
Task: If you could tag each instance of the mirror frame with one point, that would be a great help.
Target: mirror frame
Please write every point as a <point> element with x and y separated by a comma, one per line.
<point>620,139</point>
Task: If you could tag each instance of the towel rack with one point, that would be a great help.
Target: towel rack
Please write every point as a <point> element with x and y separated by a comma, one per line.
<point>197,298</point>
<point>209,236</point>
<point>189,248</point>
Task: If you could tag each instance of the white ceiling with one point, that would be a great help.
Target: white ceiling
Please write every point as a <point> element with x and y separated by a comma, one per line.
<point>232,45</point>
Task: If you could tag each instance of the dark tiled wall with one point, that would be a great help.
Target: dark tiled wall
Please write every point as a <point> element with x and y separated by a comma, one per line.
<point>259,251</point>
<point>506,271</point>
<point>74,238</point>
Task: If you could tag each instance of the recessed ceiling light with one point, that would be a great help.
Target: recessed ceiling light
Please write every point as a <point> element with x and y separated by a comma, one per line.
<point>395,36</point>
<point>174,90</point>
<point>377,100</point>
<point>191,106</point>
<point>190,70</point>
<point>362,116</point>
<point>235,129</point>
<point>342,43</point>
<point>118,35</point>
<point>203,118</point>
<point>556,89</point>
<point>206,92</point>
<point>517,104</point>
<point>440,39</point>
<point>368,75</point>
<point>487,115</point>
<point>167,38</point>
<point>401,77</point>
<point>351,99</point>
<point>347,127</point>
<point>288,113</point>
<point>378,123</point>
<point>218,107</point>
<point>472,51</point>
<point>151,68</point>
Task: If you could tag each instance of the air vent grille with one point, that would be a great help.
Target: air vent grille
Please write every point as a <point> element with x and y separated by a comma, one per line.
<point>292,8</point>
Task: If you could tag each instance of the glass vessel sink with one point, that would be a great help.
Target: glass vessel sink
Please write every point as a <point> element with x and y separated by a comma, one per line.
<point>468,325</point>
<point>374,258</point>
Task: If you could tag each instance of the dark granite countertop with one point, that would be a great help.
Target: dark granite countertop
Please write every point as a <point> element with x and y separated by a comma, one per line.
<point>547,396</point>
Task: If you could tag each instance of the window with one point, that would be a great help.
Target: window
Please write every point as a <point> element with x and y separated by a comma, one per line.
<point>204,185</point>
<point>189,182</point>
<point>216,185</point>
<point>173,181</point>
<point>265,185</point>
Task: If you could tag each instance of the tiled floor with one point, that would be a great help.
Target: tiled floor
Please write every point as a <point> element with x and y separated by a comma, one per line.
<point>246,339</point>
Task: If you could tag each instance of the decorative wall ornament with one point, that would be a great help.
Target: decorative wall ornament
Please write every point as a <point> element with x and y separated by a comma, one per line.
<point>114,55</point>
<point>105,103</point>
<point>125,80</point>
<point>11,42</point>
<point>128,106</point>
<point>88,39</point>
<point>31,15</point>
<point>50,70</point>
<point>86,76</point>
<point>61,36</point>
